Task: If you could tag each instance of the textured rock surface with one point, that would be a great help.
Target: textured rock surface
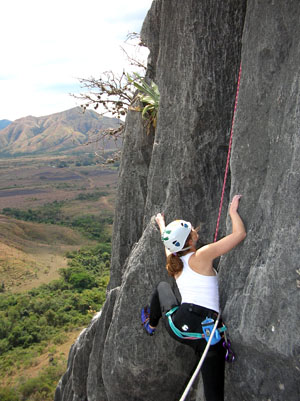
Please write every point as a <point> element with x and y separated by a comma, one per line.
<point>260,282</point>
<point>132,193</point>
<point>195,55</point>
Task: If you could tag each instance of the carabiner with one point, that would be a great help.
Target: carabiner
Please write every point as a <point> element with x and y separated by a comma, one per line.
<point>229,356</point>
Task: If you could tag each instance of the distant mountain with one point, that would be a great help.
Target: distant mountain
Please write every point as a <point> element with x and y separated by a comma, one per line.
<point>63,132</point>
<point>4,123</point>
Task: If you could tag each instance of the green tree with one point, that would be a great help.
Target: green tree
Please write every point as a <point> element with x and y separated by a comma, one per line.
<point>82,280</point>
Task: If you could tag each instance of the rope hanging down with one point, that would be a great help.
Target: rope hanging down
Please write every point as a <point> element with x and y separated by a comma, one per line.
<point>228,154</point>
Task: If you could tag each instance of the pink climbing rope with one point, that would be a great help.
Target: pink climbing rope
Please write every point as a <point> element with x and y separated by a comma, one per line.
<point>228,154</point>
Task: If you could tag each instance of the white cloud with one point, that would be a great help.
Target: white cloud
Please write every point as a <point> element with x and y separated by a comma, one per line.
<point>46,45</point>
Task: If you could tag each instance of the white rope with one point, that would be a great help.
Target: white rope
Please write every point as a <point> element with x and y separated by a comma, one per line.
<point>188,387</point>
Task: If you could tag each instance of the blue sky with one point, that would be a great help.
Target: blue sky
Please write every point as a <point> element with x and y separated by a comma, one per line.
<point>46,45</point>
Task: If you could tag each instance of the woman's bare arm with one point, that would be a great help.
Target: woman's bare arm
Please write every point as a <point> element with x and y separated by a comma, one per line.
<point>224,245</point>
<point>160,220</point>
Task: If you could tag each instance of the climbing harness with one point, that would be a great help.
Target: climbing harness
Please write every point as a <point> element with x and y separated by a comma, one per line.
<point>228,154</point>
<point>207,326</point>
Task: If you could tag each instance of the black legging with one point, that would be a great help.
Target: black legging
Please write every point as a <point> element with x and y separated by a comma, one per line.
<point>191,316</point>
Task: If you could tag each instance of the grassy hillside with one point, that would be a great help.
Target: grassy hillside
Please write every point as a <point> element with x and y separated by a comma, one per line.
<point>31,254</point>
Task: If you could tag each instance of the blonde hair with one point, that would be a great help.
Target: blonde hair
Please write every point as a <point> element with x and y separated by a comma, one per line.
<point>174,263</point>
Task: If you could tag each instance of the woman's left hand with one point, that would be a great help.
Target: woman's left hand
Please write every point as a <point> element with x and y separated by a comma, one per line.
<point>160,220</point>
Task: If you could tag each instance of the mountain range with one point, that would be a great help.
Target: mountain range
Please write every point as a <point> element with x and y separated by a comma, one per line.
<point>65,132</point>
<point>4,123</point>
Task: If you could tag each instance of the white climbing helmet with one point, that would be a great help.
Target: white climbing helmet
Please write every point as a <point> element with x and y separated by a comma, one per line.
<point>175,235</point>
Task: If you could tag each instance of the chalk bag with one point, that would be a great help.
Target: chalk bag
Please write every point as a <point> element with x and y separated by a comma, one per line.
<point>207,327</point>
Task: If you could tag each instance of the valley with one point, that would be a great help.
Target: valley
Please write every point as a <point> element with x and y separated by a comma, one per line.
<point>56,214</point>
<point>32,253</point>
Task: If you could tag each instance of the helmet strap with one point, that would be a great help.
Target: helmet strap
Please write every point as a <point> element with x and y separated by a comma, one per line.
<point>185,249</point>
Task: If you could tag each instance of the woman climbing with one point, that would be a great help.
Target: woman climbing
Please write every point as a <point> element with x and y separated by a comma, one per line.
<point>197,282</point>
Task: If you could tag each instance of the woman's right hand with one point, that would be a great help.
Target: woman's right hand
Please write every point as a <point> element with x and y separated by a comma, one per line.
<point>212,251</point>
<point>234,205</point>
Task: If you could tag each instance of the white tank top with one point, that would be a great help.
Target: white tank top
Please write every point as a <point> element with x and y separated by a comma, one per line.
<point>196,288</point>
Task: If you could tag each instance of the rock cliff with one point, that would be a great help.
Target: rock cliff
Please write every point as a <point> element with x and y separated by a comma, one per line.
<point>196,49</point>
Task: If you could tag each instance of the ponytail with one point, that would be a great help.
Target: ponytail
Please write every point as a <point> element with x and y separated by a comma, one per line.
<point>174,264</point>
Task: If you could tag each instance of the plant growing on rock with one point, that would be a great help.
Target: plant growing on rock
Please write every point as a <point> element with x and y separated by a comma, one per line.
<point>111,91</point>
<point>116,94</point>
<point>149,95</point>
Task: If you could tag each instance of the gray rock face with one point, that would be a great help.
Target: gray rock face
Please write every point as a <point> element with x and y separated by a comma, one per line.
<point>196,48</point>
<point>132,193</point>
<point>260,281</point>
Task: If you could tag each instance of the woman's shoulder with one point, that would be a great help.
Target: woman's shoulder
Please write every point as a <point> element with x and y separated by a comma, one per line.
<point>200,264</point>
